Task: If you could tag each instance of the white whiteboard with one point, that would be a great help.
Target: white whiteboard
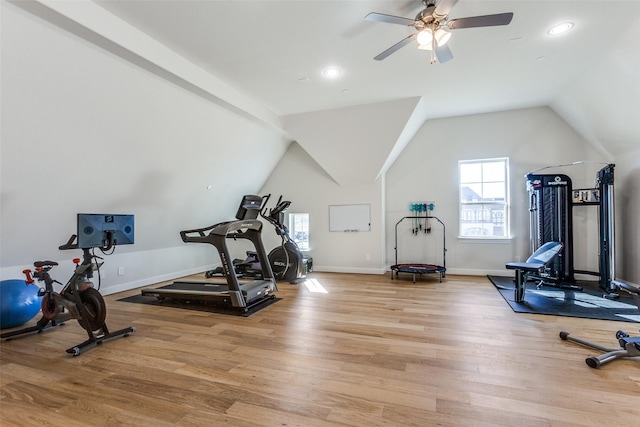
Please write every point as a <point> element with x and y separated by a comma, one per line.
<point>349,218</point>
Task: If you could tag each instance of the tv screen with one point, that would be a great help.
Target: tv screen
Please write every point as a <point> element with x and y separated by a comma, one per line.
<point>104,230</point>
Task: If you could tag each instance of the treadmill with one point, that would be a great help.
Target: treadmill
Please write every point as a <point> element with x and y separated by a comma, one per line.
<point>232,294</point>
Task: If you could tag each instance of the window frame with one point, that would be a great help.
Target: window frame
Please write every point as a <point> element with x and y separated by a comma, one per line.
<point>303,244</point>
<point>487,215</point>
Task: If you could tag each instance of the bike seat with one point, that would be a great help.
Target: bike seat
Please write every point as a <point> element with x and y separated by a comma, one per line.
<point>44,263</point>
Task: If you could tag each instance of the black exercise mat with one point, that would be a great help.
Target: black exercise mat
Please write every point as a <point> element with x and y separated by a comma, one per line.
<point>588,303</point>
<point>199,305</point>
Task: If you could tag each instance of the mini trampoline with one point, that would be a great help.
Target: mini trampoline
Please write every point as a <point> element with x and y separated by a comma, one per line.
<point>420,269</point>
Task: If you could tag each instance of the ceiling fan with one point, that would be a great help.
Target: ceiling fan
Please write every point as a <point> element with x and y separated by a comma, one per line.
<point>432,23</point>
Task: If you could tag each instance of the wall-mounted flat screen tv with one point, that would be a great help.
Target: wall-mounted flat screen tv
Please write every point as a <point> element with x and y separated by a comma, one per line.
<point>104,230</point>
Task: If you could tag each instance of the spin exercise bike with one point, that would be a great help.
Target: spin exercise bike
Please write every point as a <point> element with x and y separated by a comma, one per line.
<point>78,299</point>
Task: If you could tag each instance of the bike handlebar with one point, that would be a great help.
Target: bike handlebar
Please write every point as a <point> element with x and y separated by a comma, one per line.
<point>70,244</point>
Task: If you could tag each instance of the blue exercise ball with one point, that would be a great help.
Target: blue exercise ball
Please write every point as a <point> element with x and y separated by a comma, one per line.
<point>19,303</point>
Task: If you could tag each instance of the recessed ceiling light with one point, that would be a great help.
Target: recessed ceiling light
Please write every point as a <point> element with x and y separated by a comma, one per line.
<point>560,28</point>
<point>332,72</point>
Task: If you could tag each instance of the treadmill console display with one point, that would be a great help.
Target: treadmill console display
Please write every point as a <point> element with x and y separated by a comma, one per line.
<point>249,207</point>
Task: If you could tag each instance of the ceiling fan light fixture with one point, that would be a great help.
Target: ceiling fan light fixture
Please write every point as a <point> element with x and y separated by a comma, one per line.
<point>429,24</point>
<point>560,28</point>
<point>441,36</point>
<point>424,37</point>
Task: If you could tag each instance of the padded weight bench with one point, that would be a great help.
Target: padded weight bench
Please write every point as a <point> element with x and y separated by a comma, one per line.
<point>534,265</point>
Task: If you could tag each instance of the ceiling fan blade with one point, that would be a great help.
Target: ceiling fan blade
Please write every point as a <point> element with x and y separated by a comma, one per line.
<point>444,54</point>
<point>390,19</point>
<point>402,43</point>
<point>444,7</point>
<point>481,21</point>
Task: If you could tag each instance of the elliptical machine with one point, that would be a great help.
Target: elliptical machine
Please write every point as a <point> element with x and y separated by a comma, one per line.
<point>287,261</point>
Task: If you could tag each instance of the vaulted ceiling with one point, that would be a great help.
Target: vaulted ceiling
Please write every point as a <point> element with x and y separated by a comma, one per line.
<point>269,57</point>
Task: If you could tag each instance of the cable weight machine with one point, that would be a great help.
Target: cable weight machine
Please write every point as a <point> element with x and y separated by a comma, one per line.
<point>551,220</point>
<point>552,200</point>
<point>606,210</point>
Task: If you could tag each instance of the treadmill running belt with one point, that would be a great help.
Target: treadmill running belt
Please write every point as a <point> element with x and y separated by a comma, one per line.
<point>202,305</point>
<point>197,286</point>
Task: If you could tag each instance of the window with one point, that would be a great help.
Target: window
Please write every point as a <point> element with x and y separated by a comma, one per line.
<point>299,229</point>
<point>484,198</point>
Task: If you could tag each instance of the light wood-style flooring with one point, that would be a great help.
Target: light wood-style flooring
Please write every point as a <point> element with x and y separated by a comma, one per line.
<point>366,352</point>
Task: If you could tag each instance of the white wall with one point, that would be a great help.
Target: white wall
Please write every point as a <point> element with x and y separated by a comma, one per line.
<point>427,170</point>
<point>627,193</point>
<point>353,144</point>
<point>603,102</point>
<point>84,130</point>
<point>310,189</point>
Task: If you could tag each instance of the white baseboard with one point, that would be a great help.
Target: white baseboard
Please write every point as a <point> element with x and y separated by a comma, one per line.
<point>478,272</point>
<point>357,270</point>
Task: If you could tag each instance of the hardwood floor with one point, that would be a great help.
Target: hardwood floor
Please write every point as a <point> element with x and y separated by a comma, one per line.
<point>367,352</point>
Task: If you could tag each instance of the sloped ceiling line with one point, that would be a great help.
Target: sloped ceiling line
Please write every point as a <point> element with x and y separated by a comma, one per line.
<point>101,22</point>
<point>354,144</point>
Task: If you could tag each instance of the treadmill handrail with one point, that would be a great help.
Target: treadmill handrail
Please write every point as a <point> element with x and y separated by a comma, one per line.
<point>201,235</point>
